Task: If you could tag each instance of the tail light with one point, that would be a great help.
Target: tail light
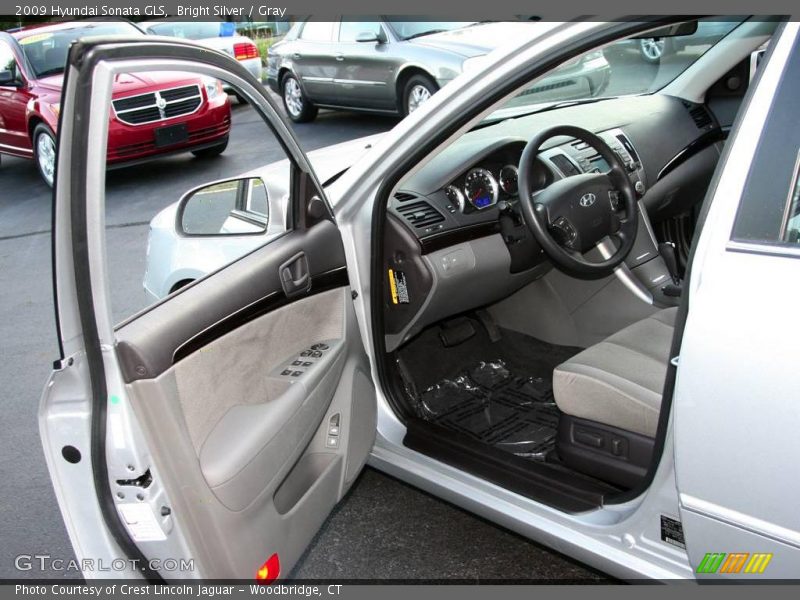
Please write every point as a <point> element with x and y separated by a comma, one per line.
<point>245,50</point>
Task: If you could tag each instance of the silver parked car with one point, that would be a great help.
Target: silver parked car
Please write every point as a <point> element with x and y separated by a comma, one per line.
<point>393,66</point>
<point>486,308</point>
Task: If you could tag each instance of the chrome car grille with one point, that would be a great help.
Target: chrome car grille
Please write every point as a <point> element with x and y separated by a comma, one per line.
<point>158,106</point>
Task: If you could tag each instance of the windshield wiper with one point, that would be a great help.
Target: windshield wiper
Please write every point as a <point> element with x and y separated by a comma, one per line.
<point>423,33</point>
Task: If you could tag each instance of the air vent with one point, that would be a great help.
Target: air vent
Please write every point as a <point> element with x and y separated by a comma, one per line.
<point>699,115</point>
<point>404,196</point>
<point>420,214</point>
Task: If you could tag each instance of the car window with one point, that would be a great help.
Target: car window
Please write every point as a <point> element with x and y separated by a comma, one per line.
<point>350,29</point>
<point>199,180</point>
<point>47,51</point>
<point>625,67</point>
<point>8,62</point>
<point>317,31</point>
<point>769,210</point>
<point>407,28</point>
<point>196,30</point>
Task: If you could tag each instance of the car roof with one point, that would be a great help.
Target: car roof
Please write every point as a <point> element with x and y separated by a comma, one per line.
<point>64,26</point>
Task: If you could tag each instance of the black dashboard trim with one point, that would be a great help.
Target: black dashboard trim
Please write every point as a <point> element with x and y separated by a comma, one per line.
<point>709,138</point>
<point>458,236</point>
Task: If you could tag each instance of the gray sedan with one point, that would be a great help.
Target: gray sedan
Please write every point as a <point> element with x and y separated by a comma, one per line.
<point>391,66</point>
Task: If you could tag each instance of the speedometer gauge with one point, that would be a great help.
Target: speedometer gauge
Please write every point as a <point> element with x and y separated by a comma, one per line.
<point>509,180</point>
<point>455,197</point>
<point>480,187</point>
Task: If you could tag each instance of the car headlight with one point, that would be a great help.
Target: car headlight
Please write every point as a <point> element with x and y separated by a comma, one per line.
<point>474,63</point>
<point>213,87</point>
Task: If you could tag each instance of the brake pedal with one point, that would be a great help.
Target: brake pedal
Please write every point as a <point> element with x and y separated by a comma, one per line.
<point>456,331</point>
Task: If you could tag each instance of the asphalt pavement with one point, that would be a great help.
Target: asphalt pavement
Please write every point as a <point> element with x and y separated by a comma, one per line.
<point>383,529</point>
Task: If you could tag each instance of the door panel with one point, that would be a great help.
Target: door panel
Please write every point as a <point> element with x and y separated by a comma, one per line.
<point>735,407</point>
<point>254,480</point>
<point>231,416</point>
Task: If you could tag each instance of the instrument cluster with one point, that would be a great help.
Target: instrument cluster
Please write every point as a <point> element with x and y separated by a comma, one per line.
<point>492,180</point>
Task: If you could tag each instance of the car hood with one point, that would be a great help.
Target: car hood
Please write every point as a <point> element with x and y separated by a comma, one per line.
<point>477,40</point>
<point>130,82</point>
<point>326,162</point>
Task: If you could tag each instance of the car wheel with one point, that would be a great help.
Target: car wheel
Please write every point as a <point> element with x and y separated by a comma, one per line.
<point>298,107</point>
<point>418,89</point>
<point>652,49</point>
<point>44,152</point>
<point>212,151</point>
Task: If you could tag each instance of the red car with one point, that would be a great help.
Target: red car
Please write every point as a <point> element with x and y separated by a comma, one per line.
<point>153,114</point>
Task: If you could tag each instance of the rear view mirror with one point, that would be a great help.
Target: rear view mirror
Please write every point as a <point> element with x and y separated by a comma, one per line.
<point>230,207</point>
<point>677,30</point>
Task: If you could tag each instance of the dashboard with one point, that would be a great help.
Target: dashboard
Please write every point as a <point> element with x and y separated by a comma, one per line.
<point>449,221</point>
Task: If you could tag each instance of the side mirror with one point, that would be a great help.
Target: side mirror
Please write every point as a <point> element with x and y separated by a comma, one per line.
<point>366,37</point>
<point>678,30</point>
<point>229,207</point>
<point>9,78</point>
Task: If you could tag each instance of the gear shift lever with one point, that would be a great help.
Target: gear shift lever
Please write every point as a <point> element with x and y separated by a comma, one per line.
<point>670,257</point>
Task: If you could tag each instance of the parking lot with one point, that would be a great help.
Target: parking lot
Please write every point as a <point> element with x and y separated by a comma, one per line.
<point>383,529</point>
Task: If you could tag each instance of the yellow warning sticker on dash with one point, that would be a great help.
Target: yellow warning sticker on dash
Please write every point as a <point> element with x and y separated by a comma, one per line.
<point>398,287</point>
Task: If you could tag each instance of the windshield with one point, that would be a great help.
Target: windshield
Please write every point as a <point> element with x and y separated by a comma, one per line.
<point>631,66</point>
<point>187,30</point>
<point>407,29</point>
<point>47,51</point>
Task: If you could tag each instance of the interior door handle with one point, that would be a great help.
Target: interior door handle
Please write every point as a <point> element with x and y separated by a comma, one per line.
<point>296,55</point>
<point>339,56</point>
<point>295,275</point>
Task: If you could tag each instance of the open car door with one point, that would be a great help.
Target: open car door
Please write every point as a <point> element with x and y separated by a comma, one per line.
<point>211,434</point>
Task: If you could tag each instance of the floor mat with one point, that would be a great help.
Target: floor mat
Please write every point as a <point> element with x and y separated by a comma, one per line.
<point>499,393</point>
<point>492,405</point>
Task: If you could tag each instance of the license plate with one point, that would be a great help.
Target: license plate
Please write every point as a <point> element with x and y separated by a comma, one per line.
<point>171,135</point>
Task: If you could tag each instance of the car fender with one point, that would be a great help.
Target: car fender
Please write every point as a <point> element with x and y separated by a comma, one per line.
<point>42,109</point>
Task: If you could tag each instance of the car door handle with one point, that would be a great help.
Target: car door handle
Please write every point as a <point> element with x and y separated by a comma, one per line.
<point>339,56</point>
<point>294,275</point>
<point>296,55</point>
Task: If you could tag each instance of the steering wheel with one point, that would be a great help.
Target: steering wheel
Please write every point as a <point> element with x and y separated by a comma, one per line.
<point>572,215</point>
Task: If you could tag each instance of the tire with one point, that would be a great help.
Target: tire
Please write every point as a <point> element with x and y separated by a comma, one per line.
<point>417,90</point>
<point>297,106</point>
<point>44,152</point>
<point>212,151</point>
<point>652,50</point>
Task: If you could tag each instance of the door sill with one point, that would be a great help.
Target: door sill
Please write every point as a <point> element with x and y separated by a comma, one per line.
<point>551,484</point>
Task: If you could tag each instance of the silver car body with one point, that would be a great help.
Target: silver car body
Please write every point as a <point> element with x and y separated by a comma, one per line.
<point>222,43</point>
<point>174,260</point>
<point>695,482</point>
<point>371,76</point>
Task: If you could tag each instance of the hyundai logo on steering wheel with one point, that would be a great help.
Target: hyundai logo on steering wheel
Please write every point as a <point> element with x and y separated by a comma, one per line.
<point>588,199</point>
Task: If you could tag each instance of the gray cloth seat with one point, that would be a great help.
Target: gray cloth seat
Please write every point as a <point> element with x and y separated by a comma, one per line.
<point>619,381</point>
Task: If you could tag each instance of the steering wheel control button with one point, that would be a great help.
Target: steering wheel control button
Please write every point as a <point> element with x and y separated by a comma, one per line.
<point>613,197</point>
